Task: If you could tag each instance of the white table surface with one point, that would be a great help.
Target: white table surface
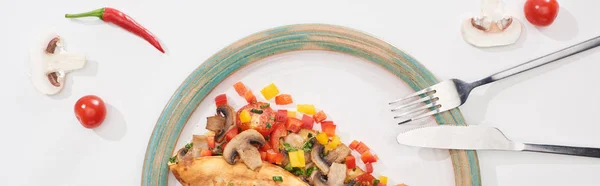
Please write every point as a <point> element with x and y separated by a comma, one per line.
<point>43,144</point>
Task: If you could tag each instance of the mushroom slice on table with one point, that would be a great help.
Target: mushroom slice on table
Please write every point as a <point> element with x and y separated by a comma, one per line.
<point>50,63</point>
<point>493,27</point>
<point>243,145</point>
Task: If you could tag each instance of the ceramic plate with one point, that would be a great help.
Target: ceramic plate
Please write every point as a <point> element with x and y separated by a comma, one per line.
<point>348,74</point>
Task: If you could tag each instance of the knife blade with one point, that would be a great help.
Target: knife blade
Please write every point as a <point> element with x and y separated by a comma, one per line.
<point>458,137</point>
<point>475,137</point>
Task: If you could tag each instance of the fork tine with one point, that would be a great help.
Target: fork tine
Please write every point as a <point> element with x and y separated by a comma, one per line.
<point>426,90</point>
<point>434,104</point>
<point>430,97</point>
<point>420,116</point>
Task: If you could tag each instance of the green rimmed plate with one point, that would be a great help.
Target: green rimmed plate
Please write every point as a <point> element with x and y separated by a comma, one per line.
<point>333,86</point>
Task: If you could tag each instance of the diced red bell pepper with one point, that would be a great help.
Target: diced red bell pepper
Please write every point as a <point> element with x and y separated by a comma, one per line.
<point>294,124</point>
<point>353,145</point>
<point>205,152</point>
<point>283,99</point>
<point>320,116</point>
<point>240,88</point>
<point>231,134</point>
<point>281,116</point>
<point>362,148</point>
<point>249,96</point>
<point>211,142</point>
<point>279,131</point>
<point>328,128</point>
<point>350,162</point>
<point>367,157</point>
<point>369,167</point>
<point>221,100</point>
<point>265,147</point>
<point>274,157</point>
<point>263,155</point>
<point>307,122</point>
<point>365,179</point>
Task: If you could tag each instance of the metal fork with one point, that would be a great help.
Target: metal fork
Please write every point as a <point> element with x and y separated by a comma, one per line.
<point>453,93</point>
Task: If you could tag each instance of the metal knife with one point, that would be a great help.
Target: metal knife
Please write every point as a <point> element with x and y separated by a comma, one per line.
<point>481,138</point>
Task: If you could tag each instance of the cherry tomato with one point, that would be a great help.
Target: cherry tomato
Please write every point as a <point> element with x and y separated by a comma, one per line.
<point>541,12</point>
<point>90,111</point>
<point>262,118</point>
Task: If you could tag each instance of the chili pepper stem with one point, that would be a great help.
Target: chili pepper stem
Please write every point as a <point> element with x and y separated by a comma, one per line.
<point>95,13</point>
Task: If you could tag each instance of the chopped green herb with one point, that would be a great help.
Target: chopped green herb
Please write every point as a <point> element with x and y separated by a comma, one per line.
<point>309,171</point>
<point>354,169</point>
<point>230,184</point>
<point>298,171</point>
<point>256,111</point>
<point>375,182</point>
<point>267,138</point>
<point>268,125</point>
<point>273,118</point>
<point>288,167</point>
<point>189,146</point>
<point>173,159</point>
<point>307,146</point>
<point>289,148</point>
<point>265,106</point>
<point>310,135</point>
<point>277,178</point>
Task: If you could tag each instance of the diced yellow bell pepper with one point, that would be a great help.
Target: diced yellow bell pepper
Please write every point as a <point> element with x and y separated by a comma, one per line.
<point>328,148</point>
<point>297,158</point>
<point>322,138</point>
<point>306,108</point>
<point>291,114</point>
<point>335,141</point>
<point>245,116</point>
<point>270,91</point>
<point>383,180</point>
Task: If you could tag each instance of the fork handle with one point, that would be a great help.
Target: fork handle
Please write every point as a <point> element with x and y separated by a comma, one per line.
<point>540,61</point>
<point>557,149</point>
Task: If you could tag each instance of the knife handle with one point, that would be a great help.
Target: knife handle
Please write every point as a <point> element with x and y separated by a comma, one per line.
<point>557,149</point>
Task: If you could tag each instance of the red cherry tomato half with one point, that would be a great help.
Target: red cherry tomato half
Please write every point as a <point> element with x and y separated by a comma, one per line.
<point>541,12</point>
<point>90,111</point>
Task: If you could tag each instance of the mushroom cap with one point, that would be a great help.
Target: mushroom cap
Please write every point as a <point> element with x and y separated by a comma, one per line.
<point>242,145</point>
<point>228,113</point>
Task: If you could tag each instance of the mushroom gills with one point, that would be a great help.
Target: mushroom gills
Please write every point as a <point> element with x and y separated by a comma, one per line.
<point>316,155</point>
<point>492,27</point>
<point>242,145</point>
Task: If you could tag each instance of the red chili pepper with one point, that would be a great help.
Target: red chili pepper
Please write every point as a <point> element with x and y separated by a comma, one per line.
<point>122,20</point>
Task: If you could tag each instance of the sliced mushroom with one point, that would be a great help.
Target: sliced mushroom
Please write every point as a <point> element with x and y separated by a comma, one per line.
<point>50,63</point>
<point>337,174</point>
<point>492,27</point>
<point>183,156</point>
<point>316,179</point>
<point>199,142</point>
<point>338,154</point>
<point>228,113</point>
<point>316,155</point>
<point>215,123</point>
<point>242,145</point>
<point>294,140</point>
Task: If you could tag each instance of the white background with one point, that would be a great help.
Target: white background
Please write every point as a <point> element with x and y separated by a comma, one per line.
<point>43,144</point>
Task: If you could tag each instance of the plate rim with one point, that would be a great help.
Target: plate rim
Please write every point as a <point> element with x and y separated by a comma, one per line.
<point>279,40</point>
